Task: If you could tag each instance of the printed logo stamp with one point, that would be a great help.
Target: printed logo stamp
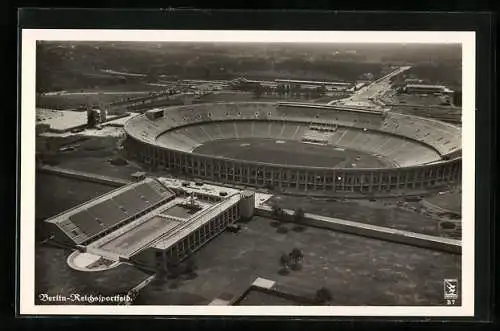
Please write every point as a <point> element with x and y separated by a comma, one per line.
<point>450,288</point>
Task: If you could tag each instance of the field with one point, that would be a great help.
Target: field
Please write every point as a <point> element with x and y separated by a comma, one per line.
<point>357,270</point>
<point>450,200</point>
<point>54,194</point>
<point>289,153</point>
<point>382,213</point>
<point>346,264</point>
<point>92,155</point>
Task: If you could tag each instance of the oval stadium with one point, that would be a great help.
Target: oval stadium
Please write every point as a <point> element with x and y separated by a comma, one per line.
<point>300,148</point>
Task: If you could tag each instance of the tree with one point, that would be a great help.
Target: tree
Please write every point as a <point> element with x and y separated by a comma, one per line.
<point>276,209</point>
<point>323,295</point>
<point>190,265</point>
<point>322,90</point>
<point>296,255</point>
<point>298,215</point>
<point>173,269</point>
<point>258,91</point>
<point>92,119</point>
<point>284,262</point>
<point>282,229</point>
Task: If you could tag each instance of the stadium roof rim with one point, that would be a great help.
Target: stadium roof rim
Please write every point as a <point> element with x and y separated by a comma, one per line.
<point>446,157</point>
<point>335,107</point>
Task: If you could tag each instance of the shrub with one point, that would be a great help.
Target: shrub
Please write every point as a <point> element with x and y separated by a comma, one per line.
<point>282,229</point>
<point>118,161</point>
<point>173,285</point>
<point>296,257</point>
<point>274,224</point>
<point>284,271</point>
<point>191,275</point>
<point>298,215</point>
<point>190,266</point>
<point>323,295</point>
<point>299,228</point>
<point>448,225</point>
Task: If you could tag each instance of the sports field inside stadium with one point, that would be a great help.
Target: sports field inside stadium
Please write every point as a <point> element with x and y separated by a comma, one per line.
<point>290,153</point>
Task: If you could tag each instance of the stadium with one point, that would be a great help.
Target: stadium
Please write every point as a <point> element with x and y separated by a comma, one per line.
<point>300,148</point>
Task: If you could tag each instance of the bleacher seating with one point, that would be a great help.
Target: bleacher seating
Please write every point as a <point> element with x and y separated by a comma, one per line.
<point>86,222</point>
<point>230,120</point>
<point>105,214</point>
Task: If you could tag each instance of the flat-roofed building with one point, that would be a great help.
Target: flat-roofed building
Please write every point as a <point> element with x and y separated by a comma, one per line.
<point>413,81</point>
<point>420,88</point>
<point>312,82</point>
<point>151,223</point>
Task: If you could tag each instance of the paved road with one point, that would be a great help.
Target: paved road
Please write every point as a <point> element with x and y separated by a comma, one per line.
<point>372,91</point>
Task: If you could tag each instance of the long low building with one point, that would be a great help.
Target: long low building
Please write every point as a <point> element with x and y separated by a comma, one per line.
<point>312,82</point>
<point>151,222</point>
<point>420,88</point>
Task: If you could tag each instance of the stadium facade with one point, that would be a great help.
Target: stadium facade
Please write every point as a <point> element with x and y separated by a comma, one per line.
<point>425,153</point>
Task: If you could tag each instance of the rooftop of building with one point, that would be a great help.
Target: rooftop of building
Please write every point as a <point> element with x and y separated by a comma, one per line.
<point>425,86</point>
<point>197,186</point>
<point>161,223</point>
<point>312,82</point>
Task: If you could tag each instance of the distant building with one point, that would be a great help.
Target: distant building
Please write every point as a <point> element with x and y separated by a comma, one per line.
<point>138,176</point>
<point>413,81</point>
<point>416,88</point>
<point>305,83</point>
<point>170,97</point>
<point>154,114</point>
<point>359,85</point>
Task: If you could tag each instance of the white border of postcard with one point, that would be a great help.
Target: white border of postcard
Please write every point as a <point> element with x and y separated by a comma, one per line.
<point>27,166</point>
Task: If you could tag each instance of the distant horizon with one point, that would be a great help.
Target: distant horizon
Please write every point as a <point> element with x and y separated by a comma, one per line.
<point>252,43</point>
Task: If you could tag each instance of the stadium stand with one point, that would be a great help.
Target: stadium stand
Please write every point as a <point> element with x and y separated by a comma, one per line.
<point>124,204</point>
<point>407,140</point>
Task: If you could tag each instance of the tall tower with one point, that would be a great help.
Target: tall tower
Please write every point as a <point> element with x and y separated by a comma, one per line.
<point>247,205</point>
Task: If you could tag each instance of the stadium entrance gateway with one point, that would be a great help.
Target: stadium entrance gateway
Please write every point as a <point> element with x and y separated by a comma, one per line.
<point>150,222</point>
